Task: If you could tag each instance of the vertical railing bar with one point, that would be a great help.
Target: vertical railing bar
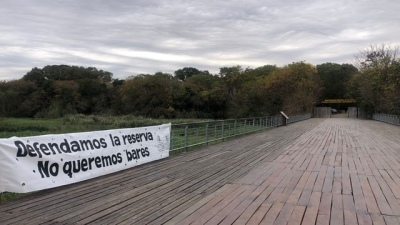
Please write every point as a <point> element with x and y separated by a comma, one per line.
<point>172,140</point>
<point>223,130</point>
<point>207,134</point>
<point>186,138</point>
<point>235,128</point>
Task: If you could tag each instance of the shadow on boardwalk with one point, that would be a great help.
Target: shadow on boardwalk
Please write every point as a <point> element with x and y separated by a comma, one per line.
<point>324,171</point>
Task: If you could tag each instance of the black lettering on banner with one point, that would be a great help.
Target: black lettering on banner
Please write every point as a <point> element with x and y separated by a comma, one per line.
<point>114,141</point>
<point>54,146</point>
<point>90,162</point>
<point>22,151</point>
<point>114,159</point>
<point>103,143</point>
<point>84,165</point>
<point>64,146</point>
<point>98,162</point>
<point>76,166</point>
<point>119,155</point>
<point>67,168</point>
<point>45,149</point>
<point>96,144</point>
<point>35,146</point>
<point>45,170</point>
<point>31,151</point>
<point>75,147</point>
<point>140,137</point>
<point>106,160</point>
<point>135,153</point>
<point>86,143</point>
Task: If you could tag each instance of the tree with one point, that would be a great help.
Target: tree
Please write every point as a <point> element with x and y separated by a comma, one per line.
<point>186,72</point>
<point>148,95</point>
<point>265,70</point>
<point>377,85</point>
<point>334,78</point>
<point>294,88</point>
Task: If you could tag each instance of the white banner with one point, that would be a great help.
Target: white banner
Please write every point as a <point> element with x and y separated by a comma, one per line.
<point>40,162</point>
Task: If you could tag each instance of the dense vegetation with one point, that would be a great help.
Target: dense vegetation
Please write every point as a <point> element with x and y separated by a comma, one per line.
<point>56,91</point>
<point>59,90</point>
<point>377,84</point>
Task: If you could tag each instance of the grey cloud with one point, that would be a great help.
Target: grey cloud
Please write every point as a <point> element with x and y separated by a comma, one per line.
<point>146,36</point>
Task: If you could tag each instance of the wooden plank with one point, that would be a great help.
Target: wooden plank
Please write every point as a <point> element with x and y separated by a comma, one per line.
<point>273,213</point>
<point>325,204</point>
<point>210,212</point>
<point>337,213</point>
<point>328,182</point>
<point>311,213</point>
<point>369,197</point>
<point>259,214</point>
<point>284,214</point>
<point>235,214</point>
<point>296,193</point>
<point>231,206</point>
<point>391,220</point>
<point>392,185</point>
<point>306,193</point>
<point>349,210</point>
<point>297,215</point>
<point>383,205</point>
<point>186,213</point>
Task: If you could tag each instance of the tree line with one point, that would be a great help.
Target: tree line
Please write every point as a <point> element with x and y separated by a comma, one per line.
<point>235,92</point>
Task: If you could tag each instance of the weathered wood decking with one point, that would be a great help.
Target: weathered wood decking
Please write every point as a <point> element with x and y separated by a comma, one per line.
<point>320,171</point>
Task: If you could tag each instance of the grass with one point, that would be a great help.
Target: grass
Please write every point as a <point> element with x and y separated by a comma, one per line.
<point>22,127</point>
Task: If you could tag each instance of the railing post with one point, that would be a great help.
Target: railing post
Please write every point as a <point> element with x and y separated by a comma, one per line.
<point>172,140</point>
<point>222,130</point>
<point>186,138</point>
<point>245,126</point>
<point>207,134</point>
<point>215,130</point>
<point>235,127</point>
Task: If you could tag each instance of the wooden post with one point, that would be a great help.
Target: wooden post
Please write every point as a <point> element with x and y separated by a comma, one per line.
<point>284,118</point>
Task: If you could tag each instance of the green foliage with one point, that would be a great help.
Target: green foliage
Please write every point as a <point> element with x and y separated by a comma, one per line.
<point>294,88</point>
<point>61,90</point>
<point>77,123</point>
<point>377,84</point>
<point>334,78</point>
<point>186,72</point>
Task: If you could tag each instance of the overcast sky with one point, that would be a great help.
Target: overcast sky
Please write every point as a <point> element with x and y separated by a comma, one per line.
<point>146,36</point>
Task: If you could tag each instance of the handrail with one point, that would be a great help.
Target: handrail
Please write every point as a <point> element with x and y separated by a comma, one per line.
<point>387,118</point>
<point>188,135</point>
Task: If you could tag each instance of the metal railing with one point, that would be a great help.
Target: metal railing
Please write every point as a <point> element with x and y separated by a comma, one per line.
<point>297,118</point>
<point>185,136</point>
<point>387,118</point>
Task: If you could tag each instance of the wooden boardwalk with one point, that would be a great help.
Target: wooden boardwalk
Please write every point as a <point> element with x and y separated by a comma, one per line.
<point>319,171</point>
